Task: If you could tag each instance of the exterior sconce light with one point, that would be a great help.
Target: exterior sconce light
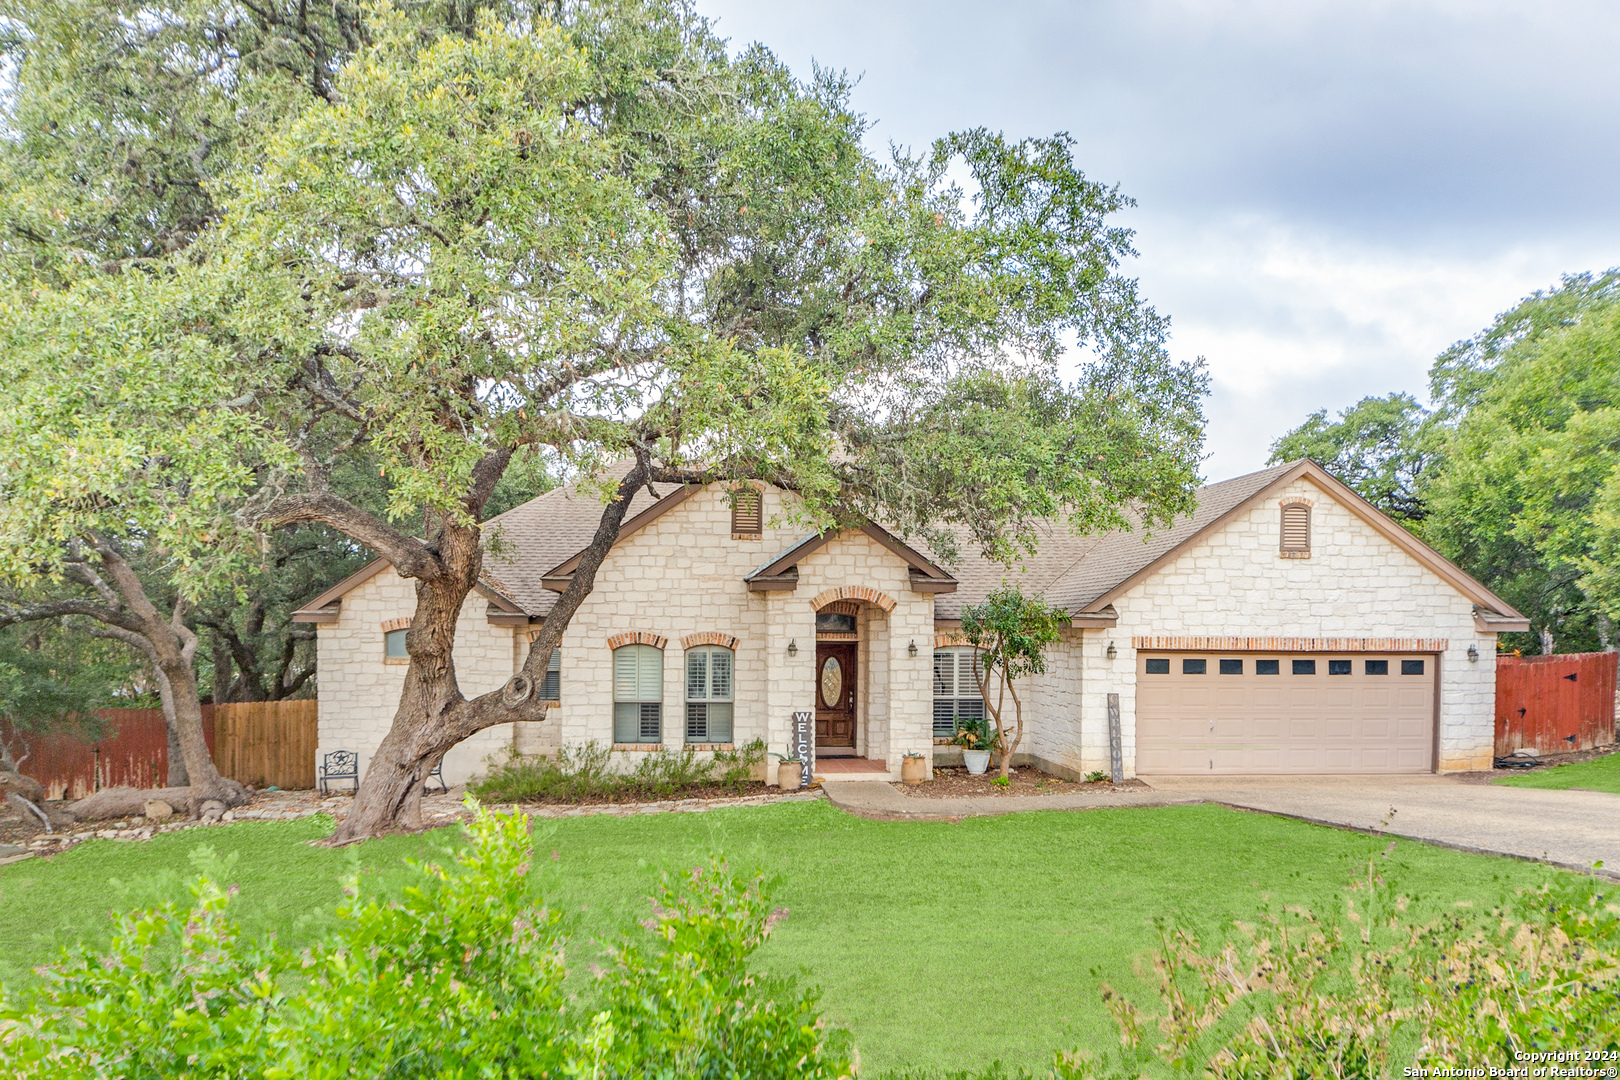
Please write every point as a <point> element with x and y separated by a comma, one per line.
<point>1473,654</point>
<point>912,648</point>
<point>1112,652</point>
<point>793,647</point>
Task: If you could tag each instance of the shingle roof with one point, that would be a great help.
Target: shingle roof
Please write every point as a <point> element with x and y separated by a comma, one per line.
<point>537,536</point>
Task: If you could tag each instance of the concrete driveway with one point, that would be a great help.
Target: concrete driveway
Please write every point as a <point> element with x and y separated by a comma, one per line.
<point>1567,828</point>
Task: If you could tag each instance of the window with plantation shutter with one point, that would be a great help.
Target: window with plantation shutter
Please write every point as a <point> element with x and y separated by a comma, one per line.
<point>1296,531</point>
<point>551,687</point>
<point>956,690</point>
<point>638,694</point>
<point>747,514</point>
<point>709,694</point>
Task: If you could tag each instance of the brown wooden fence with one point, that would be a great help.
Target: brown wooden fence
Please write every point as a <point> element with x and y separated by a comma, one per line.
<point>1554,704</point>
<point>258,743</point>
<point>267,743</point>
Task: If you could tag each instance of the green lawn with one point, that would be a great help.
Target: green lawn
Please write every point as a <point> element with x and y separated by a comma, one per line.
<point>930,939</point>
<point>1599,774</point>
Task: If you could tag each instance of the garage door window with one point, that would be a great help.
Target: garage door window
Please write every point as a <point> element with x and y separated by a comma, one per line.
<point>1304,667</point>
<point>1194,667</point>
<point>1378,667</point>
<point>1268,667</point>
<point>1231,667</point>
<point>1338,667</point>
<point>1411,667</point>
<point>1158,665</point>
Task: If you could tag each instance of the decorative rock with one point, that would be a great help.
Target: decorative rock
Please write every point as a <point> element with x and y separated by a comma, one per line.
<point>229,815</point>
<point>158,810</point>
<point>211,810</point>
<point>8,850</point>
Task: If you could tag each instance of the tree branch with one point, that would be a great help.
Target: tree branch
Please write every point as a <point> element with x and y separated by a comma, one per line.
<point>410,557</point>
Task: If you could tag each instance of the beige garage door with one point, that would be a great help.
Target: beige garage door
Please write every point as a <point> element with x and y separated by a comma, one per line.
<point>1262,713</point>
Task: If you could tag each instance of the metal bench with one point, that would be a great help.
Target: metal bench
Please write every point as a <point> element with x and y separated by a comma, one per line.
<point>436,774</point>
<point>339,765</point>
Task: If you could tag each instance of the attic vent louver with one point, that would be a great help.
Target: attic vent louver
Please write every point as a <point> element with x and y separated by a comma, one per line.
<point>1296,531</point>
<point>747,514</point>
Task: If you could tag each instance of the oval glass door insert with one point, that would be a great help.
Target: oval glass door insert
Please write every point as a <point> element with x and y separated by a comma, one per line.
<point>832,682</point>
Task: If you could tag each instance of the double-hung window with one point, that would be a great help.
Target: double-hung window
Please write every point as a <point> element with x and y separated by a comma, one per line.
<point>551,685</point>
<point>710,691</point>
<point>956,691</point>
<point>638,694</point>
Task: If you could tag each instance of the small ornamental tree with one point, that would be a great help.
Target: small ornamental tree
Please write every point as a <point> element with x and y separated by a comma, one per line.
<point>1012,633</point>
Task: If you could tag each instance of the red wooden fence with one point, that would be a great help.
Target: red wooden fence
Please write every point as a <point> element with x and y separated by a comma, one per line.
<point>133,750</point>
<point>1554,704</point>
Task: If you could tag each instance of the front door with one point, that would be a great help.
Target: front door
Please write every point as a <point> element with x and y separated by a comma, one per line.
<point>835,693</point>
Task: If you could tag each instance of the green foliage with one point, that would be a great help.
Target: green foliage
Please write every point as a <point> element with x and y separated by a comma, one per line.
<point>1012,632</point>
<point>1384,448</point>
<point>49,678</point>
<point>461,977</point>
<point>975,733</point>
<point>585,772</point>
<point>1599,774</point>
<point>1514,474</point>
<point>1096,776</point>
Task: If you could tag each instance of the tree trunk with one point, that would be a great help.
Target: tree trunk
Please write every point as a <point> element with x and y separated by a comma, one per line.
<point>177,775</point>
<point>433,716</point>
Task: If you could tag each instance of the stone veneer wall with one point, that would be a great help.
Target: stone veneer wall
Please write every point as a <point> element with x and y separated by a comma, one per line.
<point>1355,584</point>
<point>359,690</point>
<point>683,574</point>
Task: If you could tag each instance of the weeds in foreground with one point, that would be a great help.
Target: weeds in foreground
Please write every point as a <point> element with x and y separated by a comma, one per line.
<point>585,771</point>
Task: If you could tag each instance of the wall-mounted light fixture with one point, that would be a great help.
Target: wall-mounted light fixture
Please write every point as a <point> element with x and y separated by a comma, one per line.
<point>1473,654</point>
<point>912,648</point>
<point>1112,652</point>
<point>793,647</point>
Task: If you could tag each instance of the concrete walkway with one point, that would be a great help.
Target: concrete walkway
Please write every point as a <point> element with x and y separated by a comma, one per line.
<point>1572,829</point>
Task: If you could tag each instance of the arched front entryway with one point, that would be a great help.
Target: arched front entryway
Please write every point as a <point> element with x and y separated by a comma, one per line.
<point>848,621</point>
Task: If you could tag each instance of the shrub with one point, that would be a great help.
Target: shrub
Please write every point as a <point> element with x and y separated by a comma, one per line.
<point>582,772</point>
<point>463,977</point>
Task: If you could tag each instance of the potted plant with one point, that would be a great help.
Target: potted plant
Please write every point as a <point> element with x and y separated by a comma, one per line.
<point>913,769</point>
<point>789,772</point>
<point>977,739</point>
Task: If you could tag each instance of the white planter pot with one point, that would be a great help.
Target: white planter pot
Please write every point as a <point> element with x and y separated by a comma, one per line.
<point>976,761</point>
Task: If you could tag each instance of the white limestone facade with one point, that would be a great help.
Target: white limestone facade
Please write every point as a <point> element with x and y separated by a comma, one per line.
<point>1356,584</point>
<point>360,686</point>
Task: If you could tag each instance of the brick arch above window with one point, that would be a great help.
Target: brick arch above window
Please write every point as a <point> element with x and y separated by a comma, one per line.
<point>950,641</point>
<point>853,592</point>
<point>709,637</point>
<point>396,624</point>
<point>637,637</point>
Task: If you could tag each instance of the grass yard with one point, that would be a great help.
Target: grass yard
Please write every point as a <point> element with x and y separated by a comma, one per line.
<point>1598,774</point>
<point>938,944</point>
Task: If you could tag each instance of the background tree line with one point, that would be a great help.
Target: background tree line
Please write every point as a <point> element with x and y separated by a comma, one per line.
<point>1515,472</point>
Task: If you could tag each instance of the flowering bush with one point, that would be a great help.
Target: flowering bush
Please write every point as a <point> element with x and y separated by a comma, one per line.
<point>463,977</point>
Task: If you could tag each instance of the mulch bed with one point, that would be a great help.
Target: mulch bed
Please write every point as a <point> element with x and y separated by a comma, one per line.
<point>625,796</point>
<point>959,783</point>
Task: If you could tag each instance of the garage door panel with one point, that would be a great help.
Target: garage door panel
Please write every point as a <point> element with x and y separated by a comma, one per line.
<point>1310,722</point>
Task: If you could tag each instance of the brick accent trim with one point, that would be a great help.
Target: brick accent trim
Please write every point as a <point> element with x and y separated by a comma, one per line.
<point>1287,645</point>
<point>947,641</point>
<point>709,637</point>
<point>638,747</point>
<point>637,637</point>
<point>841,607</point>
<point>853,592</point>
<point>395,624</point>
<point>1296,500</point>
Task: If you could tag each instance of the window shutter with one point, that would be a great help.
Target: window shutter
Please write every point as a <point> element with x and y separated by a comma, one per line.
<point>626,666</point>
<point>944,674</point>
<point>720,674</point>
<point>697,675</point>
<point>1296,528</point>
<point>747,514</point>
<point>551,686</point>
<point>652,673</point>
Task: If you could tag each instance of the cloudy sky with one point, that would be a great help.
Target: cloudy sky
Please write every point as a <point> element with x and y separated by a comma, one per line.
<point>1330,193</point>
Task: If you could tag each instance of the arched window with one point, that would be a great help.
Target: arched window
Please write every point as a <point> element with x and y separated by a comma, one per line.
<point>710,690</point>
<point>1296,530</point>
<point>638,694</point>
<point>956,690</point>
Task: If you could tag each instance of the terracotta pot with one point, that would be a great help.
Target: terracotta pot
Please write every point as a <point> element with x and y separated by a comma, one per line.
<point>913,769</point>
<point>762,771</point>
<point>976,761</point>
<point>790,775</point>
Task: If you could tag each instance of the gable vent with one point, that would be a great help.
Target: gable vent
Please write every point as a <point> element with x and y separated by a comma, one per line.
<point>1296,531</point>
<point>747,514</point>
